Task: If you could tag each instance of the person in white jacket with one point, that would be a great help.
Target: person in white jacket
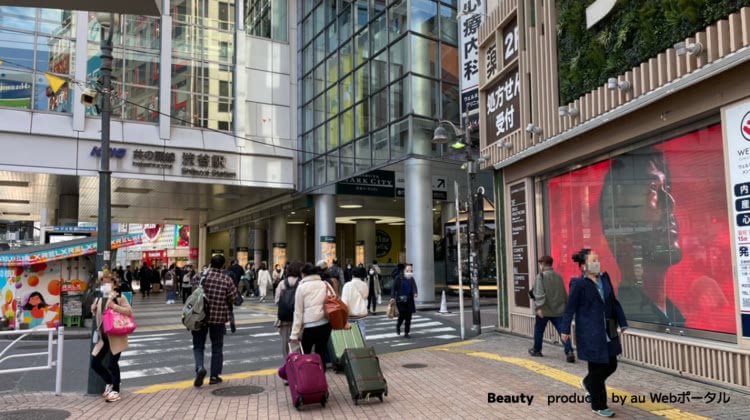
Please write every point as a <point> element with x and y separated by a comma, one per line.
<point>310,322</point>
<point>264,282</point>
<point>354,296</point>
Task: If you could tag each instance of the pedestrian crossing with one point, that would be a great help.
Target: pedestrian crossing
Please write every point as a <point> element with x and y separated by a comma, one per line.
<point>157,357</point>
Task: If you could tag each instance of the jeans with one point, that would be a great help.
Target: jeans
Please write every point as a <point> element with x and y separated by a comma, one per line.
<point>595,382</point>
<point>285,331</point>
<point>541,325</point>
<point>111,374</point>
<point>171,296</point>
<point>318,337</point>
<point>217,333</point>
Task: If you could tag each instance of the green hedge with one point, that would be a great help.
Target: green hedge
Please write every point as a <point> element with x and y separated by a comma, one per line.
<point>633,32</point>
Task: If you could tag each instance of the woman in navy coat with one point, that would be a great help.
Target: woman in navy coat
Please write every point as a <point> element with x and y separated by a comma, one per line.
<point>593,303</point>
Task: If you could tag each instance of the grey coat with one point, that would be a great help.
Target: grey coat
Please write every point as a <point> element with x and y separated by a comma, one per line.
<point>549,294</point>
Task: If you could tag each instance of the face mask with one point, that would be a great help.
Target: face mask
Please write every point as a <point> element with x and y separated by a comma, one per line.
<point>594,267</point>
<point>409,274</point>
<point>348,267</point>
<point>106,288</point>
<point>372,272</point>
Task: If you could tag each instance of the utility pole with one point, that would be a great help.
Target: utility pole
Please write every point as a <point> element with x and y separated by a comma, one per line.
<point>104,230</point>
<point>471,173</point>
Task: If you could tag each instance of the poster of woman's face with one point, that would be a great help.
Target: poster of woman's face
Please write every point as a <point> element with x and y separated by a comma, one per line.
<point>658,216</point>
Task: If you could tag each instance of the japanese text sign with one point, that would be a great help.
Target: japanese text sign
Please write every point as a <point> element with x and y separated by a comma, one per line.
<point>468,45</point>
<point>503,106</point>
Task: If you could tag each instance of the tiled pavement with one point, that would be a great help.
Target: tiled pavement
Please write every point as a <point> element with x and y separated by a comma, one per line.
<point>454,385</point>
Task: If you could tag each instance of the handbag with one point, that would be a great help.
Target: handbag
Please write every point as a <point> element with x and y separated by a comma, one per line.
<point>392,310</point>
<point>403,298</point>
<point>380,300</point>
<point>115,323</point>
<point>336,310</point>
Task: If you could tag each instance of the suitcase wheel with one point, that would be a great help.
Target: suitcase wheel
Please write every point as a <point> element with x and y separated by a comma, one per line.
<point>381,397</point>
<point>356,400</point>
<point>324,400</point>
<point>298,403</point>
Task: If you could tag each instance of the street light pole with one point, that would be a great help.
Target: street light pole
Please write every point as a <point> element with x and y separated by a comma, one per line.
<point>104,229</point>
<point>441,137</point>
<point>472,229</point>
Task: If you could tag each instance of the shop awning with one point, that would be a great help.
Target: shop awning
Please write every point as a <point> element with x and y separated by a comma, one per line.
<point>62,250</point>
<point>130,7</point>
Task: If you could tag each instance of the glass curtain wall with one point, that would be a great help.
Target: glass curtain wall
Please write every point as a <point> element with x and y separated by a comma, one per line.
<point>34,42</point>
<point>375,77</point>
<point>267,19</point>
<point>202,63</point>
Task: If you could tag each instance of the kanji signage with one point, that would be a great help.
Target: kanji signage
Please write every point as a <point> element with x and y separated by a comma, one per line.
<point>737,137</point>
<point>510,42</point>
<point>491,61</point>
<point>189,163</point>
<point>468,44</point>
<point>503,106</point>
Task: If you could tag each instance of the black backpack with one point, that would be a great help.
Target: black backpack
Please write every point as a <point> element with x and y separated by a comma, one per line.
<point>286,302</point>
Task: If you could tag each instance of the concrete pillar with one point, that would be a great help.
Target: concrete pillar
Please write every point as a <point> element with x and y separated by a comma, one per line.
<point>325,225</point>
<point>194,249</point>
<point>259,245</point>
<point>365,232</point>
<point>447,212</point>
<point>419,245</point>
<point>241,237</point>
<point>295,247</point>
<point>279,244</point>
<point>232,245</point>
<point>202,236</point>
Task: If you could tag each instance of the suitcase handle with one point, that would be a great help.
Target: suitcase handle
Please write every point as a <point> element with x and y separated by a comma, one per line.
<point>301,350</point>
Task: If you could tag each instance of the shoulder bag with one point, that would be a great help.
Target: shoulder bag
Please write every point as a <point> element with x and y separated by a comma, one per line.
<point>336,310</point>
<point>115,323</point>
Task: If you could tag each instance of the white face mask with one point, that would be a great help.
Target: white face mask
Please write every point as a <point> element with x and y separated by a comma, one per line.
<point>372,272</point>
<point>106,288</point>
<point>594,267</point>
<point>408,274</point>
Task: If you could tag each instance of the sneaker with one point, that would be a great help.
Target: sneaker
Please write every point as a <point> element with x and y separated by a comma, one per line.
<point>398,331</point>
<point>107,390</point>
<point>407,336</point>
<point>535,353</point>
<point>585,390</point>
<point>200,375</point>
<point>215,380</point>
<point>605,413</point>
<point>113,396</point>
<point>571,358</point>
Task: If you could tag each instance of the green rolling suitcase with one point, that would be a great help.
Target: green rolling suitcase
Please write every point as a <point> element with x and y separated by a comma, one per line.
<point>341,340</point>
<point>364,375</point>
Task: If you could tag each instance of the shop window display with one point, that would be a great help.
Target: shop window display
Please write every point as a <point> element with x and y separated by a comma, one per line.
<point>657,216</point>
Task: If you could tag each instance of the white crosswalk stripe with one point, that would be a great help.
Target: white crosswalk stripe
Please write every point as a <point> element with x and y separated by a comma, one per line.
<point>255,347</point>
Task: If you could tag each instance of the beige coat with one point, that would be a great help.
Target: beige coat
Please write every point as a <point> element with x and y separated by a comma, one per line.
<point>117,344</point>
<point>309,304</point>
<point>354,296</point>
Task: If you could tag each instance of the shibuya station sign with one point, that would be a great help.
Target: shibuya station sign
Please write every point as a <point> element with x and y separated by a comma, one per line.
<point>185,163</point>
<point>130,7</point>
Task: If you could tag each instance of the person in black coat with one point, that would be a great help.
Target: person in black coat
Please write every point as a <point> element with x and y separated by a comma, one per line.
<point>597,314</point>
<point>404,292</point>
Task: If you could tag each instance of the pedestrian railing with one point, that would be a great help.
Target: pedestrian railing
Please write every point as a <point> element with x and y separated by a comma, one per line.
<point>58,364</point>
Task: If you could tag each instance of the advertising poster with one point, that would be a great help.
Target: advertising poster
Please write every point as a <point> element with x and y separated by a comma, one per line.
<point>328,249</point>
<point>359,253</point>
<point>657,217</point>
<point>242,256</point>
<point>737,133</point>
<point>279,253</point>
<point>15,94</point>
<point>182,236</point>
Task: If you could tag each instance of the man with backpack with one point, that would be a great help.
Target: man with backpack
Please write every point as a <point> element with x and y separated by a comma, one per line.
<point>284,298</point>
<point>215,294</point>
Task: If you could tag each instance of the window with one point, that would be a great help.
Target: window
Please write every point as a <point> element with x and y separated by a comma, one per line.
<point>364,154</point>
<point>400,99</point>
<point>399,53</point>
<point>397,19</point>
<point>423,17</point>
<point>267,19</point>
<point>448,25</point>
<point>399,138</point>
<point>424,96</point>
<point>424,56</point>
<point>657,217</point>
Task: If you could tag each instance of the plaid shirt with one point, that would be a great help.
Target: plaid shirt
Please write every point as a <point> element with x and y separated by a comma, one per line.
<point>221,293</point>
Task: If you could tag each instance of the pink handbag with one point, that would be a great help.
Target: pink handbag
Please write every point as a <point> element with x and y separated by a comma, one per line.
<point>115,323</point>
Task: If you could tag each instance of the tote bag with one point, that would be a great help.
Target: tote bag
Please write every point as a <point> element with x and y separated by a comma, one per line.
<point>115,323</point>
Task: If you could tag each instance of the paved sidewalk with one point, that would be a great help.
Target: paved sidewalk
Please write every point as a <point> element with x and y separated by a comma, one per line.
<point>454,384</point>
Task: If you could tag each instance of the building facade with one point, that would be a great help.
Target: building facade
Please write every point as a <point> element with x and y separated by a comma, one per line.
<point>605,137</point>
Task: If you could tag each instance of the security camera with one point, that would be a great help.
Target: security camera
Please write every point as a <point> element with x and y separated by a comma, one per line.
<point>89,97</point>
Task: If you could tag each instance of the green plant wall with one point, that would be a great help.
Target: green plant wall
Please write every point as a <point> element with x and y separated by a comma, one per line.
<point>633,32</point>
